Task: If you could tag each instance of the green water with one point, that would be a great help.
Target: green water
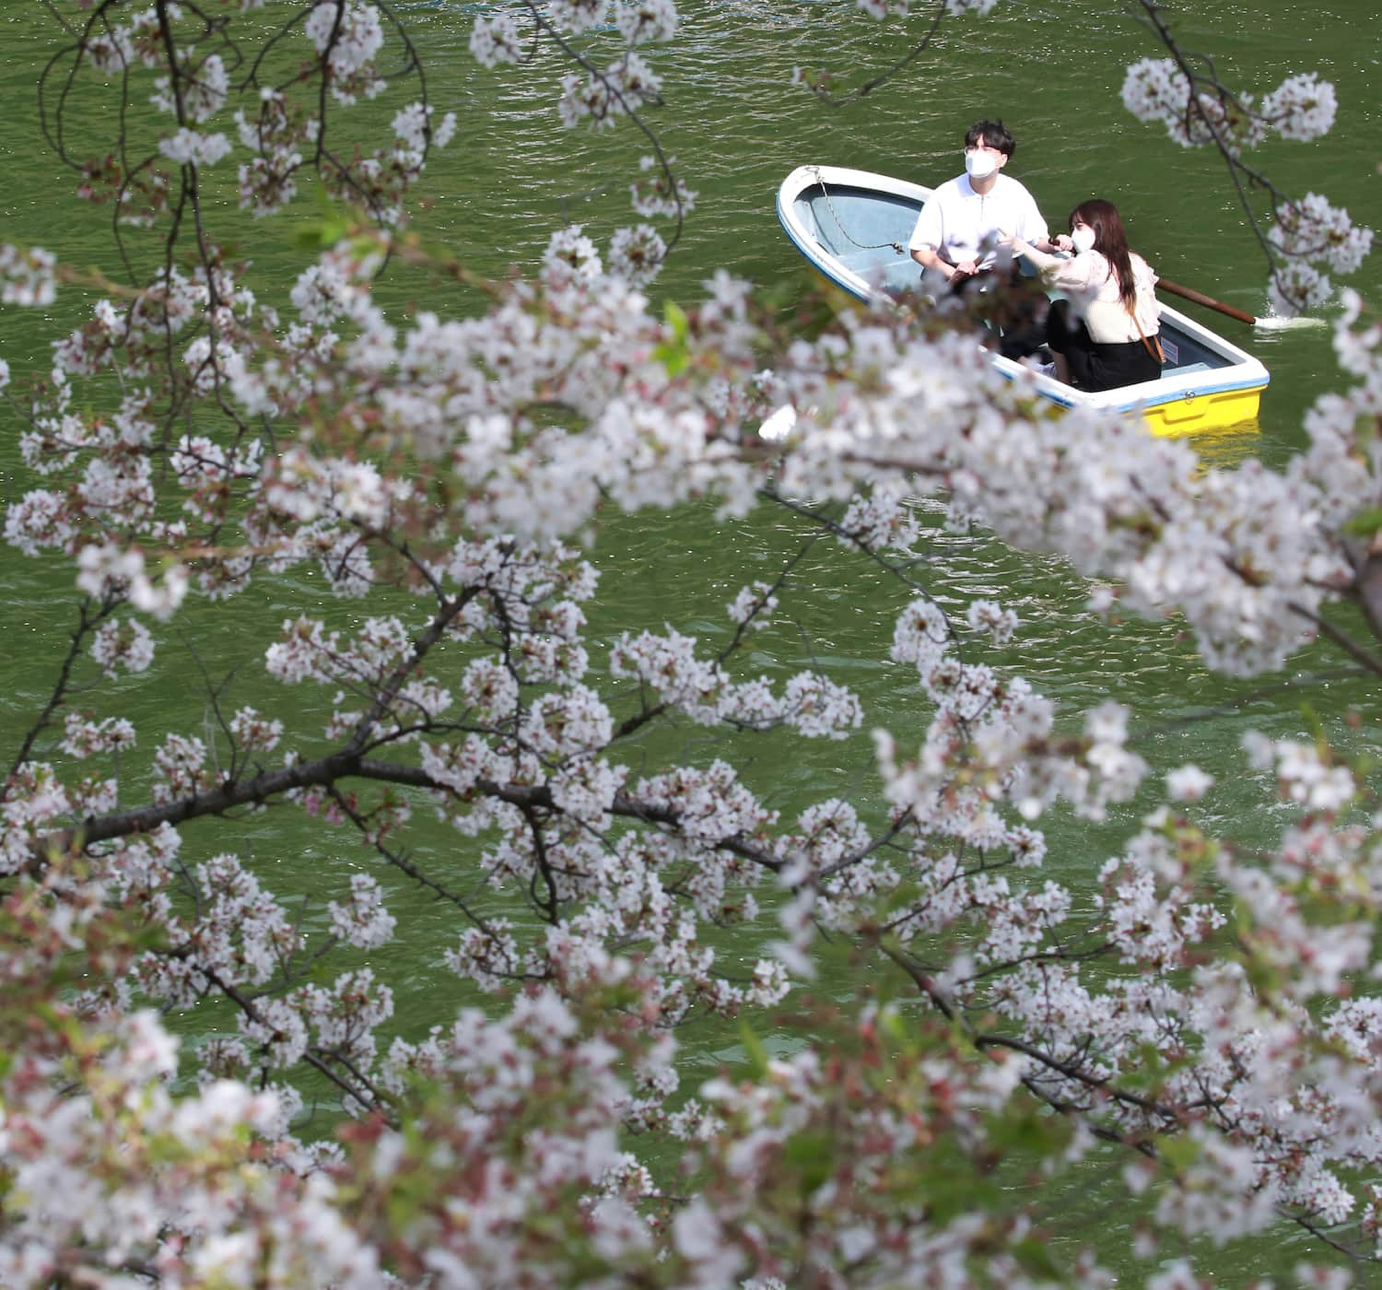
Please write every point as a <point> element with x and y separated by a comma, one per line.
<point>736,128</point>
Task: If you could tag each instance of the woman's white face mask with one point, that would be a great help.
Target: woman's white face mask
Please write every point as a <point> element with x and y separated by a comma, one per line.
<point>1083,238</point>
<point>980,163</point>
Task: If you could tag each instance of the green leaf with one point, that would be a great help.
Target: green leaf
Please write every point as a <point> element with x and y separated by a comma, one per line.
<point>891,1023</point>
<point>753,1046</point>
<point>948,1185</point>
<point>1026,1135</point>
<point>330,226</point>
<point>674,360</point>
<point>1365,523</point>
<point>320,235</point>
<point>810,1157</point>
<point>1035,1256</point>
<point>675,317</point>
<point>1178,1151</point>
<point>674,354</point>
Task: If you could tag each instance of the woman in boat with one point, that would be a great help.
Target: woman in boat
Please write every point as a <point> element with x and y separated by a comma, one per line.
<point>1104,335</point>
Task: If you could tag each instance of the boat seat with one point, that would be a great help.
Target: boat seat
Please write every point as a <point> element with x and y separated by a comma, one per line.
<point>1187,369</point>
<point>882,268</point>
<point>863,261</point>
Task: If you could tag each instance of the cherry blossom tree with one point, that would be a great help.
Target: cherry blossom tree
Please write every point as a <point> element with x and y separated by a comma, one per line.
<point>1212,1018</point>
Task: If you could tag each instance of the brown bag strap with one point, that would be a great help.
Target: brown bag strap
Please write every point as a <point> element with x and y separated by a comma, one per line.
<point>1158,353</point>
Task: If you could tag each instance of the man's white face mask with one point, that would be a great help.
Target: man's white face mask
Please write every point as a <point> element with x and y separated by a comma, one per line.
<point>980,163</point>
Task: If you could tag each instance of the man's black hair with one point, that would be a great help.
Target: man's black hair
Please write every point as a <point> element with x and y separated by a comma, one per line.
<point>993,133</point>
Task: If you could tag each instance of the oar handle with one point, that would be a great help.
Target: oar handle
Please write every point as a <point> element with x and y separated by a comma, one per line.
<point>1165,284</point>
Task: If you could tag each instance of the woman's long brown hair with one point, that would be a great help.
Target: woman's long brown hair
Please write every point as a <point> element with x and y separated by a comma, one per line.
<point>1110,241</point>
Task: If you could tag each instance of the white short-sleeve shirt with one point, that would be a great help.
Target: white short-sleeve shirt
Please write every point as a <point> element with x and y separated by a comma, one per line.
<point>961,224</point>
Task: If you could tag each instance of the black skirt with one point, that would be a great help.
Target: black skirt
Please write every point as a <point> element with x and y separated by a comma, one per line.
<point>1096,366</point>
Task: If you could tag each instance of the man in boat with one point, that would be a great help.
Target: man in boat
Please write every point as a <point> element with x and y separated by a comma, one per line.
<point>958,231</point>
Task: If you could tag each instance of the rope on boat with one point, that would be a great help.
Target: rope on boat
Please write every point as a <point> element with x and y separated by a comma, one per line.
<point>839,223</point>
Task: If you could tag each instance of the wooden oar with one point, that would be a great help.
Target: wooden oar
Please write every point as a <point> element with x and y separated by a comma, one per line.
<point>1165,284</point>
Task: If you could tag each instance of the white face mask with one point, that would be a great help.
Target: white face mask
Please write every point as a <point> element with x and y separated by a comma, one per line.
<point>1083,238</point>
<point>980,164</point>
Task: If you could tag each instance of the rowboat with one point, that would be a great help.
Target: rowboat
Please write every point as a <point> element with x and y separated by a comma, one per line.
<point>853,227</point>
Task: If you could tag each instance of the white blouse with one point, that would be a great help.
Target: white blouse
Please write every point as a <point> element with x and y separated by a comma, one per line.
<point>1092,285</point>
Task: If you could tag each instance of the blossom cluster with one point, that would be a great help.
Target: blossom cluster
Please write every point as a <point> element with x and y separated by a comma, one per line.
<point>348,33</point>
<point>164,1177</point>
<point>1300,108</point>
<point>192,84</point>
<point>26,277</point>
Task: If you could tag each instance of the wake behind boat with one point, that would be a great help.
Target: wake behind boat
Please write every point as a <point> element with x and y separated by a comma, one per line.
<point>853,227</point>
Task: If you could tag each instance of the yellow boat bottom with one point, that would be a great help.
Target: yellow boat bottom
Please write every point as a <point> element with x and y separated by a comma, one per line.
<point>1204,412</point>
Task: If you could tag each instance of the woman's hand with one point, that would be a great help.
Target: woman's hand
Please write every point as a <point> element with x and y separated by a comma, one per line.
<point>1062,242</point>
